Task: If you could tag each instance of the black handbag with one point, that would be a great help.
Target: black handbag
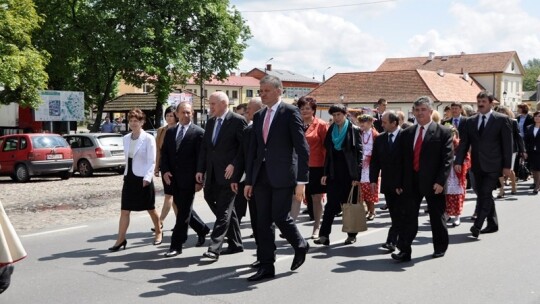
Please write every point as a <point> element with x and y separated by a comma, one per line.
<point>523,172</point>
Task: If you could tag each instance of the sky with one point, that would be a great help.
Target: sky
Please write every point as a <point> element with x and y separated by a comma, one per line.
<point>309,36</point>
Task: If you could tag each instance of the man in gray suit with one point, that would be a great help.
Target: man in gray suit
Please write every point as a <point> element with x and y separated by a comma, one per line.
<point>489,135</point>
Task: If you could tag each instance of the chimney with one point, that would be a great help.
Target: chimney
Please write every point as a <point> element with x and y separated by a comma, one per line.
<point>466,76</point>
<point>243,74</point>
<point>269,67</point>
<point>233,74</point>
<point>440,72</point>
<point>431,56</point>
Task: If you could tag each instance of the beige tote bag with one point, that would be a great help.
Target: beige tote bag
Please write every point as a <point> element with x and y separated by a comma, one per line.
<point>11,249</point>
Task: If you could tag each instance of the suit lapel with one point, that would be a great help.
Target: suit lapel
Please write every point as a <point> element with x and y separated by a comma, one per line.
<point>395,140</point>
<point>187,133</point>
<point>277,116</point>
<point>210,128</point>
<point>224,125</point>
<point>429,134</point>
<point>140,142</point>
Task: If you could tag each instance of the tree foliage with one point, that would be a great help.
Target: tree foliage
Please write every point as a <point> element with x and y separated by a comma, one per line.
<point>94,43</point>
<point>532,71</point>
<point>22,66</point>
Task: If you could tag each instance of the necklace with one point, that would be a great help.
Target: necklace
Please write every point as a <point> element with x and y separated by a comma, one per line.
<point>133,137</point>
<point>369,137</point>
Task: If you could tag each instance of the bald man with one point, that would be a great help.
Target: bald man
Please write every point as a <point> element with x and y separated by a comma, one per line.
<point>215,168</point>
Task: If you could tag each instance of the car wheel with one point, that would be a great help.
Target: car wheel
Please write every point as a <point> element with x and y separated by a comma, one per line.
<point>21,174</point>
<point>85,168</point>
<point>65,175</point>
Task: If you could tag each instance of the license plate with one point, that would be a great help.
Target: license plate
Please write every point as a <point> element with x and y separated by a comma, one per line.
<point>117,153</point>
<point>55,156</point>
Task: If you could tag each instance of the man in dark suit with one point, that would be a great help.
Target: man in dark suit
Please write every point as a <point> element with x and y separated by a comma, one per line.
<point>277,167</point>
<point>489,135</point>
<point>381,108</point>
<point>238,184</point>
<point>219,148</point>
<point>457,120</point>
<point>385,160</point>
<point>426,155</point>
<point>178,166</point>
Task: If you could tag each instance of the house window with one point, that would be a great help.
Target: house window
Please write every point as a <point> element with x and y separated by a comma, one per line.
<point>235,94</point>
<point>227,92</point>
<point>147,88</point>
<point>205,93</point>
<point>249,93</point>
<point>513,66</point>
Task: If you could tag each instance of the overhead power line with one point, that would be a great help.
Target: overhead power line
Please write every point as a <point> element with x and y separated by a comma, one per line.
<point>316,7</point>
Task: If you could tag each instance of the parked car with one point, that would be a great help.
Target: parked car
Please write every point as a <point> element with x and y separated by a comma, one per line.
<point>97,151</point>
<point>153,132</point>
<point>25,155</point>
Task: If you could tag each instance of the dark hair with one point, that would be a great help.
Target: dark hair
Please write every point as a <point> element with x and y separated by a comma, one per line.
<point>306,100</point>
<point>168,110</point>
<point>241,106</point>
<point>392,117</point>
<point>337,108</point>
<point>456,104</point>
<point>485,94</point>
<point>137,114</point>
<point>381,101</point>
<point>536,113</point>
<point>447,108</point>
<point>524,108</point>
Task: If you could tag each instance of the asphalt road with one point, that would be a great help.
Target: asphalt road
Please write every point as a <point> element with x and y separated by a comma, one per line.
<point>73,265</point>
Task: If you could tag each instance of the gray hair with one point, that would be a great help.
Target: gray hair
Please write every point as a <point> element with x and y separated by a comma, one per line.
<point>221,96</point>
<point>423,100</point>
<point>272,80</point>
<point>257,101</point>
<point>468,109</point>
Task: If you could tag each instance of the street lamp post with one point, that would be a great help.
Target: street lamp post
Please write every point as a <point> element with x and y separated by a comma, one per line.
<point>267,61</point>
<point>323,77</point>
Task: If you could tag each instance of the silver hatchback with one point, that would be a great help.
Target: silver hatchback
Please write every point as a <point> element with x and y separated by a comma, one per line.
<point>97,151</point>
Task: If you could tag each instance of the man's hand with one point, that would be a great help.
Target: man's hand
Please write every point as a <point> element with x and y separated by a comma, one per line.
<point>167,177</point>
<point>507,172</point>
<point>457,168</point>
<point>248,191</point>
<point>145,183</point>
<point>198,187</point>
<point>199,177</point>
<point>229,171</point>
<point>399,191</point>
<point>156,174</point>
<point>438,189</point>
<point>299,192</point>
<point>323,180</point>
<point>234,187</point>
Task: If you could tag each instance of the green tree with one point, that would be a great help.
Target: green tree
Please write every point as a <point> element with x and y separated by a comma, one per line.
<point>22,66</point>
<point>532,71</point>
<point>141,41</point>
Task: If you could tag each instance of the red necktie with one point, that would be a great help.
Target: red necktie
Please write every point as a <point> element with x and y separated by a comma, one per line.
<point>417,149</point>
<point>266,126</point>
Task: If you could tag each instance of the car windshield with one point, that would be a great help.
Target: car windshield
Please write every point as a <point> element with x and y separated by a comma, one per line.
<point>48,141</point>
<point>116,141</point>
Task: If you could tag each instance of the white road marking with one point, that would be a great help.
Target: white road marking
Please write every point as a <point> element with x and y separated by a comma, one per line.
<point>54,231</point>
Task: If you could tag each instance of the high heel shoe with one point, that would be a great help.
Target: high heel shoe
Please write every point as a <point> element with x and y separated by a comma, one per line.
<point>156,242</point>
<point>154,229</point>
<point>322,240</point>
<point>117,247</point>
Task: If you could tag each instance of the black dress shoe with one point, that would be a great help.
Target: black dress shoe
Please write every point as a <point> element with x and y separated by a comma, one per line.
<point>232,250</point>
<point>401,257</point>
<point>202,238</point>
<point>262,274</point>
<point>489,230</point>
<point>255,264</point>
<point>211,255</point>
<point>322,240</point>
<point>438,254</point>
<point>475,231</point>
<point>299,257</point>
<point>173,253</point>
<point>389,246</point>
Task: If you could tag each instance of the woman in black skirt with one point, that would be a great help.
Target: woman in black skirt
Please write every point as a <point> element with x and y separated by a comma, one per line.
<point>138,190</point>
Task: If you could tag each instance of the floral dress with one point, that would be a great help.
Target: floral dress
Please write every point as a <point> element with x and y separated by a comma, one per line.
<point>368,138</point>
<point>456,185</point>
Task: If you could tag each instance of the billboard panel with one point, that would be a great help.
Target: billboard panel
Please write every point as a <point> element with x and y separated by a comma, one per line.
<point>60,106</point>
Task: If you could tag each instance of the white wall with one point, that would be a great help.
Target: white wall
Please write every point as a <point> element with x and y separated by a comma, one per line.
<point>9,115</point>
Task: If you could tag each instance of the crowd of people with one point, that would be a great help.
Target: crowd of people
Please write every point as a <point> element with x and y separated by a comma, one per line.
<point>270,157</point>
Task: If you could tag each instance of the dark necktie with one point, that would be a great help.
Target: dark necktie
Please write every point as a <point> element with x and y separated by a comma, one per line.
<point>482,125</point>
<point>418,149</point>
<point>390,140</point>
<point>216,133</point>
<point>179,137</point>
<point>456,122</point>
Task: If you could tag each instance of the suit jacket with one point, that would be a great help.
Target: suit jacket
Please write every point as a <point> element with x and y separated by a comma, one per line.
<point>144,158</point>
<point>531,141</point>
<point>461,124</point>
<point>529,120</point>
<point>519,145</point>
<point>386,160</point>
<point>435,158</point>
<point>352,149</point>
<point>240,166</point>
<point>490,152</point>
<point>377,123</point>
<point>285,152</point>
<point>182,163</point>
<point>214,159</point>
